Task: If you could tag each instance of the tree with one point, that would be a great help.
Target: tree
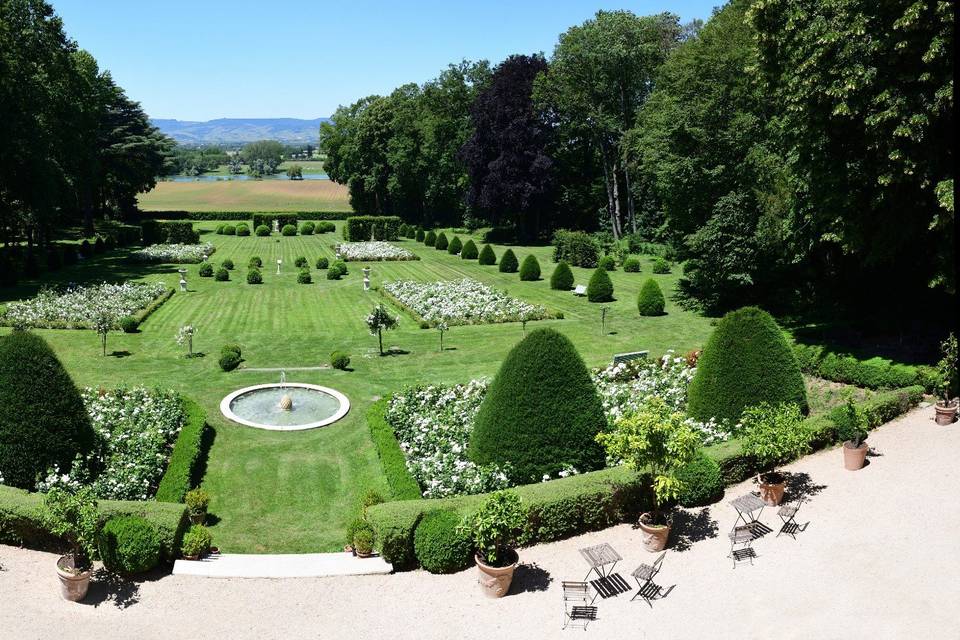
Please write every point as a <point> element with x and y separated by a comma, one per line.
<point>262,157</point>
<point>185,337</point>
<point>103,323</point>
<point>295,172</point>
<point>379,321</point>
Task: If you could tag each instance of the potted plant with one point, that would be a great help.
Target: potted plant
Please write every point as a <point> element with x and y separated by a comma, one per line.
<point>494,529</point>
<point>772,435</point>
<point>196,542</point>
<point>657,438</point>
<point>852,432</point>
<point>74,517</point>
<point>197,501</point>
<point>363,540</point>
<point>946,406</point>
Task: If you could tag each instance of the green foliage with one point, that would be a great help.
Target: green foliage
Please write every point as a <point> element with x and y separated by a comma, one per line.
<point>243,229</point>
<point>947,369</point>
<point>227,264</point>
<point>262,231</point>
<point>392,459</point>
<point>774,434</point>
<point>441,243</point>
<point>196,541</point>
<point>197,501</point>
<point>487,256</point>
<point>363,538</point>
<point>229,361</point>
<point>508,262</point>
<point>378,321</point>
<point>129,545</point>
<point>43,422</point>
<point>420,235</point>
<point>205,270</point>
<point>230,348</point>
<point>363,228</point>
<point>229,230</point>
<point>600,287</point>
<point>576,248</point>
<point>430,239</point>
<point>300,262</point>
<point>336,270</point>
<point>851,423</point>
<point>441,543</point>
<point>288,230</point>
<point>304,277</point>
<point>307,228</point>
<point>340,360</point>
<point>222,275</point>
<point>701,481</point>
<point>631,265</point>
<point>469,251</point>
<point>254,277</point>
<point>496,527</point>
<point>325,226</point>
<point>73,517</point>
<point>157,232</point>
<point>129,324</point>
<point>543,427</point>
<point>267,219</point>
<point>608,263</point>
<point>530,269</point>
<point>661,266</point>
<point>875,373</point>
<point>255,262</point>
<point>562,277</point>
<point>650,300</point>
<point>455,247</point>
<point>187,456</point>
<point>746,361</point>
<point>322,262</point>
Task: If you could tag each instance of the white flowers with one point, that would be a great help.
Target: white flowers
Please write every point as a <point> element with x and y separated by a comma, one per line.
<point>373,250</point>
<point>461,302</point>
<point>82,307</point>
<point>179,253</point>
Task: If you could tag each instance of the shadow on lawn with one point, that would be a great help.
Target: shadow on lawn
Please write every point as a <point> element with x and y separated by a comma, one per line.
<point>690,527</point>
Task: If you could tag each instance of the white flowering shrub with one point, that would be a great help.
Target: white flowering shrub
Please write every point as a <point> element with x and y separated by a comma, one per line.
<point>135,432</point>
<point>461,302</point>
<point>177,253</point>
<point>81,307</point>
<point>372,251</point>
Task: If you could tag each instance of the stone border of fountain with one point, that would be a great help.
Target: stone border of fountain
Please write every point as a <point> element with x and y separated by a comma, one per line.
<point>230,415</point>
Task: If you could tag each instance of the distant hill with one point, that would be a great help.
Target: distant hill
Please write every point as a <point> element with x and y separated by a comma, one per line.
<point>234,130</point>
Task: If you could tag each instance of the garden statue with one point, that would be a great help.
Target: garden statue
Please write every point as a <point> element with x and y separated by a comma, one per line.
<point>366,278</point>
<point>276,226</point>
<point>183,279</point>
<point>279,262</point>
<point>286,402</point>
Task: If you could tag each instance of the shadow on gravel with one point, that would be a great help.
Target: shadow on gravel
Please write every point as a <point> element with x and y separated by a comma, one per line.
<point>110,588</point>
<point>690,527</point>
<point>800,487</point>
<point>530,577</point>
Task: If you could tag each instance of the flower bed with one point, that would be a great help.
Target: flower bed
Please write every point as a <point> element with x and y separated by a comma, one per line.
<point>135,430</point>
<point>461,302</point>
<point>177,253</point>
<point>373,251</point>
<point>432,424</point>
<point>77,307</point>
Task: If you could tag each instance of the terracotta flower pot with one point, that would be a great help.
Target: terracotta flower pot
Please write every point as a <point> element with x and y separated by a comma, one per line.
<point>771,487</point>
<point>854,457</point>
<point>198,518</point>
<point>946,414</point>
<point>73,586</point>
<point>495,581</point>
<point>654,536</point>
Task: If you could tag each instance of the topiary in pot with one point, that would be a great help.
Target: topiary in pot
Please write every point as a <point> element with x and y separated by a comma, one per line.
<point>74,518</point>
<point>562,278</point>
<point>495,528</point>
<point>129,545</point>
<point>430,239</point>
<point>650,300</point>
<point>205,270</point>
<point>363,539</point>
<point>631,265</point>
<point>600,287</point>
<point>455,246</point>
<point>441,243</point>
<point>746,361</point>
<point>946,382</point>
<point>851,425</point>
<point>508,262</point>
<point>197,501</point>
<point>487,256</point>
<point>772,435</point>
<point>541,413</point>
<point>530,269</point>
<point>469,251</point>
<point>441,543</point>
<point>196,542</point>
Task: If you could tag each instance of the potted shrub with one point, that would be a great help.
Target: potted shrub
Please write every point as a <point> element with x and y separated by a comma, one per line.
<point>946,406</point>
<point>363,540</point>
<point>74,517</point>
<point>772,435</point>
<point>494,529</point>
<point>657,438</point>
<point>852,432</point>
<point>197,501</point>
<point>196,542</point>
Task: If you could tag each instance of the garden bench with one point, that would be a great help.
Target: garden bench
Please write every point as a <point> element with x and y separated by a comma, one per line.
<point>580,290</point>
<point>630,356</point>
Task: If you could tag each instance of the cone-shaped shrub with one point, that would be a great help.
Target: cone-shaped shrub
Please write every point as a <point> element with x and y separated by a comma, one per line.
<point>442,243</point>
<point>541,412</point>
<point>650,302</point>
<point>430,239</point>
<point>455,246</point>
<point>746,361</point>
<point>508,262</point>
<point>530,269</point>
<point>600,288</point>
<point>487,256</point>
<point>420,235</point>
<point>42,418</point>
<point>562,278</point>
<point>469,251</point>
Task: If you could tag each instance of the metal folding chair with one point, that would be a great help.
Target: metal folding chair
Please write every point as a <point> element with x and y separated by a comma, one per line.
<point>787,514</point>
<point>742,535</point>
<point>578,610</point>
<point>644,575</point>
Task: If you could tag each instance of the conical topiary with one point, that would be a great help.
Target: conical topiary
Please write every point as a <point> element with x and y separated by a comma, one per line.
<point>420,235</point>
<point>562,278</point>
<point>530,269</point>
<point>650,301</point>
<point>469,251</point>
<point>746,361</point>
<point>455,246</point>
<point>508,262</point>
<point>541,412</point>
<point>441,244</point>
<point>487,256</point>
<point>430,239</point>
<point>600,287</point>
<point>43,421</point>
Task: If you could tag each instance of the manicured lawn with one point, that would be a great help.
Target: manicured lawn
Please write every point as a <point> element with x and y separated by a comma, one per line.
<point>247,195</point>
<point>287,492</point>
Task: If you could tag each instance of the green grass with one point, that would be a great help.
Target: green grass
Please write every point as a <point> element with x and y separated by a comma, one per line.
<point>294,492</point>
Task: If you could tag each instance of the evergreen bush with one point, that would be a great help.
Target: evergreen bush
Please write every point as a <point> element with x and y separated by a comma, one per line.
<point>222,275</point>
<point>661,266</point>
<point>129,545</point>
<point>254,276</point>
<point>206,270</point>
<point>562,278</point>
<point>631,265</point>
<point>227,264</point>
<point>420,235</point>
<point>609,263</point>
<point>300,262</point>
<point>701,480</point>
<point>323,262</point>
<point>229,230</point>
<point>600,287</point>
<point>129,324</point>
<point>487,256</point>
<point>304,276</point>
<point>441,242</point>
<point>441,544</point>
<point>307,228</point>
<point>650,300</point>
<point>262,231</point>
<point>339,360</point>
<point>288,230</point>
<point>255,262</point>
<point>469,251</point>
<point>530,269</point>
<point>243,229</point>
<point>430,239</point>
<point>455,246</point>
<point>508,262</point>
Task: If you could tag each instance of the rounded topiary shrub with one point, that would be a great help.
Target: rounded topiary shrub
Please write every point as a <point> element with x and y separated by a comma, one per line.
<point>650,300</point>
<point>404,230</point>
<point>339,360</point>
<point>420,235</point>
<point>307,229</point>
<point>746,361</point>
<point>430,239</point>
<point>469,251</point>
<point>455,246</point>
<point>229,230</point>
<point>288,230</point>
<point>440,544</point>
<point>255,262</point>
<point>243,229</point>
<point>322,262</point>
<point>702,481</point>
<point>300,262</point>
<point>43,421</point>
<point>508,262</point>
<point>562,278</point>
<point>608,263</point>
<point>129,544</point>
<point>304,277</point>
<point>229,360</point>
<point>487,256</point>
<point>206,270</point>
<point>441,243</point>
<point>631,265</point>
<point>129,324</point>
<point>222,275</point>
<point>530,269</point>
<point>600,287</point>
<point>254,276</point>
<point>541,412</point>
<point>262,230</point>
<point>220,227</point>
<point>661,266</point>
<point>227,264</point>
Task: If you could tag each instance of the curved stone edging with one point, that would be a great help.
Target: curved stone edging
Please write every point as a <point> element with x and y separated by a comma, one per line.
<point>230,415</point>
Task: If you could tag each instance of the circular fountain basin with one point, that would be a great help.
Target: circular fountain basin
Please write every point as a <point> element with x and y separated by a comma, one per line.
<point>259,406</point>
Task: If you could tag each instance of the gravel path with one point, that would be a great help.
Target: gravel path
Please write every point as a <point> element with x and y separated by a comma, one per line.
<point>879,559</point>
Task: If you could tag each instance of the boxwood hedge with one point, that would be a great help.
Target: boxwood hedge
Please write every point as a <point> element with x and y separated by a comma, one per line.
<point>186,459</point>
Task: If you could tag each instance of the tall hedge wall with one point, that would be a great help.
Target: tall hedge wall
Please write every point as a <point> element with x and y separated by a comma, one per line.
<point>183,468</point>
<point>242,215</point>
<point>283,219</point>
<point>360,228</point>
<point>402,485</point>
<point>173,232</point>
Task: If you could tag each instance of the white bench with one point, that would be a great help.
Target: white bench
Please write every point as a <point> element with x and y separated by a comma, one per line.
<point>580,290</point>
<point>630,356</point>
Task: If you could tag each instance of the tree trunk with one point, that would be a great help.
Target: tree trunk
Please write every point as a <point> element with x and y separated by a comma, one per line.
<point>609,181</point>
<point>631,211</point>
<point>380,338</point>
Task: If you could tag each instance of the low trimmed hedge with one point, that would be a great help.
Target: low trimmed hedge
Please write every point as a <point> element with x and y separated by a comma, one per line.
<point>185,460</point>
<point>875,373</point>
<point>402,485</point>
<point>141,315</point>
<point>243,215</point>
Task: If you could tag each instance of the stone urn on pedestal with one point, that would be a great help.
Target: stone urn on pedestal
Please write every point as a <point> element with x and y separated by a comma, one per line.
<point>366,278</point>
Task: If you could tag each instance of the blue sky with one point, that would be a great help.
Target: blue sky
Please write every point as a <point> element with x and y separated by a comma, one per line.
<point>204,59</point>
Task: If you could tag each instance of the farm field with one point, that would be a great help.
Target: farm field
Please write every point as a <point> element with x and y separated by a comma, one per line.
<point>247,195</point>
